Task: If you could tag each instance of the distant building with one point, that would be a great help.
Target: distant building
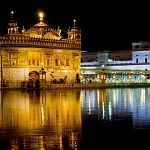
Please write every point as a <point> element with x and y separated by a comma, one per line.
<point>119,64</point>
<point>136,59</point>
<point>23,55</point>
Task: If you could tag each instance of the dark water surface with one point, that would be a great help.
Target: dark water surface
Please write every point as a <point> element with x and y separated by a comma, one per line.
<point>75,119</point>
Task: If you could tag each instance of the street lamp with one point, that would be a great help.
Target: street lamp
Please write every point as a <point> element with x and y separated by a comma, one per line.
<point>103,77</point>
<point>42,76</point>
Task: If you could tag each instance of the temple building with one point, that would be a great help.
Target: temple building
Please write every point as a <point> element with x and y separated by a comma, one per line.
<point>40,52</point>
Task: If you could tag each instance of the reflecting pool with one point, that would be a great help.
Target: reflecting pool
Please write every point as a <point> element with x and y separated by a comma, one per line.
<point>74,119</point>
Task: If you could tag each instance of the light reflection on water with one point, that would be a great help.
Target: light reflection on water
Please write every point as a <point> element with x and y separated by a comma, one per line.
<point>69,119</point>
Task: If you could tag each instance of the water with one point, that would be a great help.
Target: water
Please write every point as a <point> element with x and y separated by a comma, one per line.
<point>74,119</point>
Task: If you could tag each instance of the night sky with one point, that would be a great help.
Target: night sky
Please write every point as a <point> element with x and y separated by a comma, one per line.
<point>105,25</point>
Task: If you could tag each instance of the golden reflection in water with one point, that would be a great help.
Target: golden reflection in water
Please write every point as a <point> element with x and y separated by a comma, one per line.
<point>103,101</point>
<point>42,119</point>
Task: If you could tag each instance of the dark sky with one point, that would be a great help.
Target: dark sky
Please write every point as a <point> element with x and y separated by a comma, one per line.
<point>105,25</point>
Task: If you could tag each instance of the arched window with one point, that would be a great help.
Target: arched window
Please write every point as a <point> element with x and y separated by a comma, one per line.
<point>67,61</point>
<point>56,61</point>
<point>14,62</point>
<point>29,61</point>
<point>33,62</point>
<point>62,61</point>
<point>48,62</point>
<point>38,62</point>
<point>78,36</point>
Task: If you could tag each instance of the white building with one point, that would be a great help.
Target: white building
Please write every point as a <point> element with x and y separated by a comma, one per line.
<point>119,65</point>
<point>136,59</point>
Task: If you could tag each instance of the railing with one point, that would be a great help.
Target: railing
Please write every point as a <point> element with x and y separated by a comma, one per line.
<point>18,85</point>
<point>40,42</point>
<point>113,64</point>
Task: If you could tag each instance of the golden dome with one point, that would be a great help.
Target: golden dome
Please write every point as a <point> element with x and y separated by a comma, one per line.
<point>43,30</point>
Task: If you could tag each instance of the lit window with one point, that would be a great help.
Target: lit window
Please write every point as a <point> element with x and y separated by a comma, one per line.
<point>14,62</point>
<point>62,62</point>
<point>29,62</point>
<point>38,62</point>
<point>56,62</point>
<point>67,62</point>
<point>48,62</point>
<point>33,61</point>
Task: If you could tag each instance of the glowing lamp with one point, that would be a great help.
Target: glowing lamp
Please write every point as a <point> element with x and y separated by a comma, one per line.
<point>42,74</point>
<point>102,76</point>
<point>12,12</point>
<point>41,15</point>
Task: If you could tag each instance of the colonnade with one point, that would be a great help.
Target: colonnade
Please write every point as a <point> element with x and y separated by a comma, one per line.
<point>116,76</point>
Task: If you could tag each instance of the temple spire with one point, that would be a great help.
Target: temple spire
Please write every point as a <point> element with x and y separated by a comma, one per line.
<point>12,25</point>
<point>74,33</point>
<point>41,17</point>
<point>12,14</point>
<point>74,21</point>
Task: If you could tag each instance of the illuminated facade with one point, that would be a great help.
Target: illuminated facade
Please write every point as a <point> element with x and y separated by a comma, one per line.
<point>128,65</point>
<point>24,54</point>
<point>136,59</point>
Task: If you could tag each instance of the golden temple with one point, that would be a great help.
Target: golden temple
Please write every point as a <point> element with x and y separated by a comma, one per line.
<point>41,47</point>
